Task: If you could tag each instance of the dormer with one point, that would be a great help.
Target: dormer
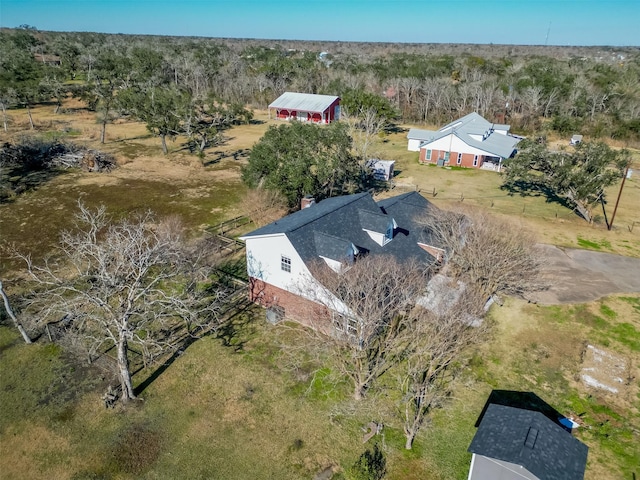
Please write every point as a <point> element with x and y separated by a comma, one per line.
<point>339,254</point>
<point>380,227</point>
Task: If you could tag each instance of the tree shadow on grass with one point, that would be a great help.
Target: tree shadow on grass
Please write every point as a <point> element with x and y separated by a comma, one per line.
<point>239,328</point>
<point>15,181</point>
<point>395,128</point>
<point>234,332</point>
<point>523,400</point>
<point>532,189</point>
<point>220,155</point>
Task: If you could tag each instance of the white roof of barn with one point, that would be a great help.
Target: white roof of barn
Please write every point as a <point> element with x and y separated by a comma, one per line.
<point>305,102</point>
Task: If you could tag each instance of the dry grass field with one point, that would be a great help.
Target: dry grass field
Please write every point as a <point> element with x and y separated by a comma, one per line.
<point>231,407</point>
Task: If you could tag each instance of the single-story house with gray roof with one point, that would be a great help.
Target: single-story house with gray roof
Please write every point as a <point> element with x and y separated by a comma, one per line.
<point>306,107</point>
<point>470,141</point>
<point>335,231</point>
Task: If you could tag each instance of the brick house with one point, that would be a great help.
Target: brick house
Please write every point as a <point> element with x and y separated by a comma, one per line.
<point>306,107</point>
<point>337,231</point>
<point>470,141</point>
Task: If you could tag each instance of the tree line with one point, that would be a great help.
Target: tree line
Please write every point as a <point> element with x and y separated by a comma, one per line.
<point>594,91</point>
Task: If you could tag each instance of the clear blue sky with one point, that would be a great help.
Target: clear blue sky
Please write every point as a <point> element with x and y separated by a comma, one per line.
<point>556,22</point>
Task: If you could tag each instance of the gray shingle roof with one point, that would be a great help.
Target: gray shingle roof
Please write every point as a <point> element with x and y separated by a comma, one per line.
<point>340,221</point>
<point>473,124</point>
<point>530,439</point>
<point>304,102</point>
<point>331,247</point>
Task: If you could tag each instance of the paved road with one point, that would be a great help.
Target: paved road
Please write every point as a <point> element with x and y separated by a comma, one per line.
<point>579,276</point>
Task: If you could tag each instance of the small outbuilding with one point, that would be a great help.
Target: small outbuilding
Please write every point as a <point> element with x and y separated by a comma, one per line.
<point>520,444</point>
<point>381,169</point>
<point>306,107</point>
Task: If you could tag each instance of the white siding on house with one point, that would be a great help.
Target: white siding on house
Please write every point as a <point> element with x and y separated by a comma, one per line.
<point>333,264</point>
<point>414,145</point>
<point>264,258</point>
<point>451,143</point>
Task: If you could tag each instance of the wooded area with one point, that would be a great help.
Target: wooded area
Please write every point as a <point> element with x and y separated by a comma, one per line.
<point>201,86</point>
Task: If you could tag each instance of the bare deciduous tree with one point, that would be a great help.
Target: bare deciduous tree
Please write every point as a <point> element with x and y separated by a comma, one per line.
<point>263,206</point>
<point>491,255</point>
<point>12,315</point>
<point>364,127</point>
<point>428,374</point>
<point>368,305</point>
<point>123,284</point>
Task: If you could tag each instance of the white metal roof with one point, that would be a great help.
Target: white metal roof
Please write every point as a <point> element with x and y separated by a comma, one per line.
<point>467,129</point>
<point>305,102</point>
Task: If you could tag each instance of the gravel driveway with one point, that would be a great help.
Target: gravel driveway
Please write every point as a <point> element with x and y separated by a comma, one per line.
<point>579,276</point>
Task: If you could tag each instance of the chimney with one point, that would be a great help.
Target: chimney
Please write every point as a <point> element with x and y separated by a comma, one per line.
<point>307,201</point>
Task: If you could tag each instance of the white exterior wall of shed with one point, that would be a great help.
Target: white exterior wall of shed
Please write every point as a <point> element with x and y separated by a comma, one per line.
<point>451,143</point>
<point>485,468</point>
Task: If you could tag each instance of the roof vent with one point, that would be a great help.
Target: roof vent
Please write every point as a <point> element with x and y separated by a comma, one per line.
<point>532,435</point>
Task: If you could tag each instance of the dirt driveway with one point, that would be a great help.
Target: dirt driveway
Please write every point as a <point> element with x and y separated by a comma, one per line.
<point>579,276</point>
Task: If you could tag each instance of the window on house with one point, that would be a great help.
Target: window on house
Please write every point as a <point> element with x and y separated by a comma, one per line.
<point>446,156</point>
<point>459,161</point>
<point>391,227</point>
<point>285,263</point>
<point>345,325</point>
<point>428,155</point>
<point>475,160</point>
<point>351,254</point>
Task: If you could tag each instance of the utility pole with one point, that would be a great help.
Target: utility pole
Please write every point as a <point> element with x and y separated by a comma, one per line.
<point>546,39</point>
<point>624,177</point>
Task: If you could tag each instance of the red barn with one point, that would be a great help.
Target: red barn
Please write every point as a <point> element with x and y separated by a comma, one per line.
<point>306,107</point>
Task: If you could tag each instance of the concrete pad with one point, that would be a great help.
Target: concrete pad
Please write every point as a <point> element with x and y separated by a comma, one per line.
<point>579,276</point>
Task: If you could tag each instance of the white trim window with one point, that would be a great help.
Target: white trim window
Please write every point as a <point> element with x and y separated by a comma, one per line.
<point>345,325</point>
<point>446,156</point>
<point>459,160</point>
<point>475,160</point>
<point>285,263</point>
<point>427,156</point>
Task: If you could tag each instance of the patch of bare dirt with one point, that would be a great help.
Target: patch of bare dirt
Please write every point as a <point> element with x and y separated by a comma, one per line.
<point>606,371</point>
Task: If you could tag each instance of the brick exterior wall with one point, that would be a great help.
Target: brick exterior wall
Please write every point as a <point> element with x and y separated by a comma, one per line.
<point>296,308</point>
<point>466,160</point>
<point>437,253</point>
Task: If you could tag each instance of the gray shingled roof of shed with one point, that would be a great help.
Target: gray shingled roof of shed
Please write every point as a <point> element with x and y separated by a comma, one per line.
<point>530,439</point>
<point>304,102</point>
<point>340,218</point>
